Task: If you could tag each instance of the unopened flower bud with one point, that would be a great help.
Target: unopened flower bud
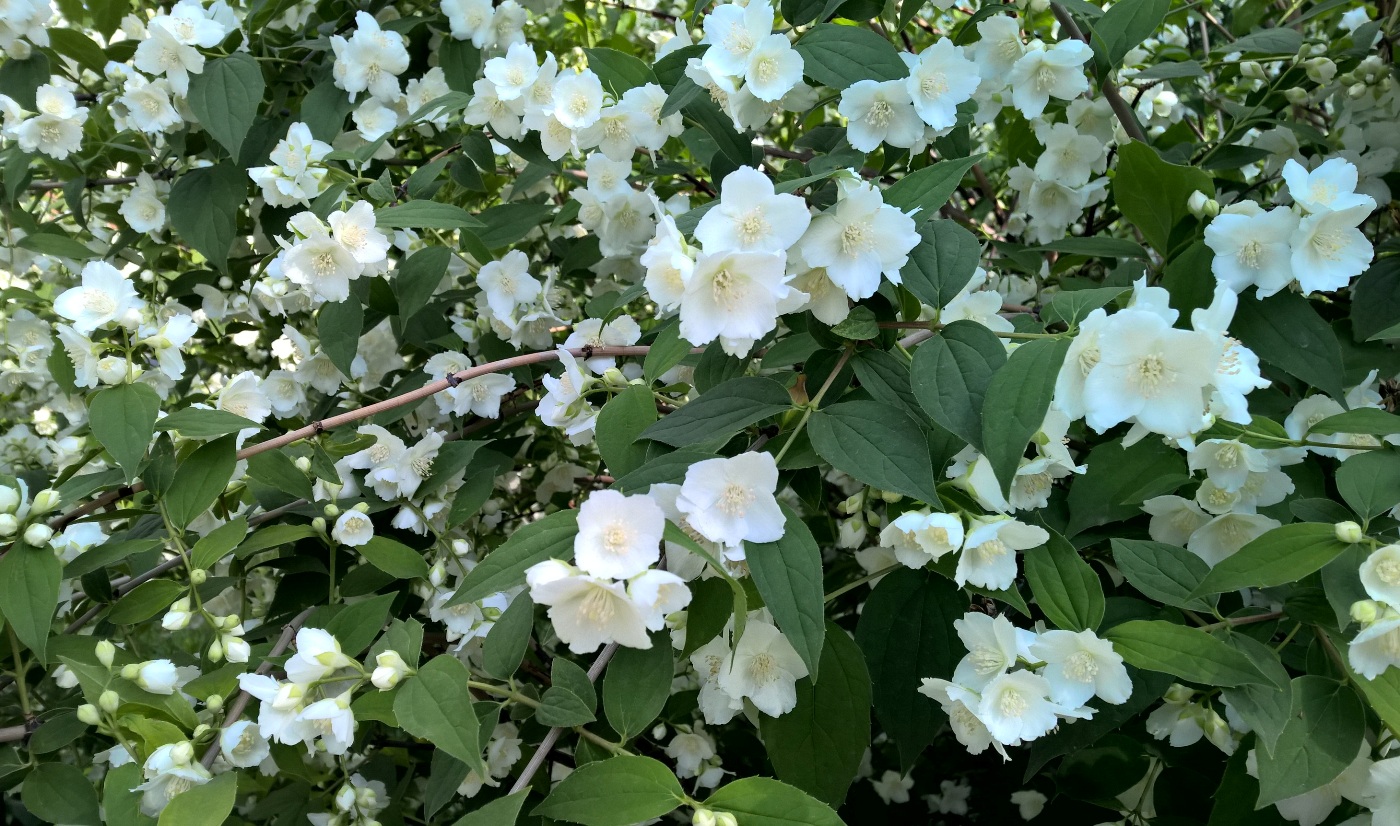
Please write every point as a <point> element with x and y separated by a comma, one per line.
<point>88,713</point>
<point>366,797</point>
<point>331,511</point>
<point>8,525</point>
<point>38,534</point>
<point>437,574</point>
<point>199,576</point>
<point>201,730</point>
<point>1320,70</point>
<point>362,507</point>
<point>105,652</point>
<point>182,752</point>
<point>1348,532</point>
<point>703,817</point>
<point>44,501</point>
<point>214,702</point>
<point>1356,91</point>
<point>391,669</point>
<point>9,500</point>
<point>613,378</point>
<point>216,651</point>
<point>1202,205</point>
<point>318,525</point>
<point>1296,95</point>
<point>345,799</point>
<point>1366,611</point>
<point>1252,70</point>
<point>1178,694</point>
<point>109,701</point>
<point>303,464</point>
<point>461,547</point>
<point>725,819</point>
<point>130,670</point>
<point>890,497</point>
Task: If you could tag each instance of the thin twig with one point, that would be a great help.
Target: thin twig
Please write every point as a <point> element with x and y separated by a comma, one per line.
<point>1110,92</point>
<point>547,744</point>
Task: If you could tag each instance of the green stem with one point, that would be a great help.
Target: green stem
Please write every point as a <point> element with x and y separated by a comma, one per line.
<point>20,670</point>
<point>812,405</point>
<point>517,697</point>
<point>859,582</point>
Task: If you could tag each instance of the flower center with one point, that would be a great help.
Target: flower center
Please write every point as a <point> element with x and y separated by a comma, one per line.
<point>1328,244</point>
<point>99,302</point>
<point>616,539</point>
<point>856,238</point>
<point>753,226</point>
<point>987,660</point>
<point>738,42</point>
<point>1389,571</point>
<point>1150,374</point>
<point>991,550</point>
<point>765,69</point>
<point>1045,78</point>
<point>323,263</point>
<point>598,606</point>
<point>1228,456</point>
<point>422,465</point>
<point>934,85</point>
<point>1081,667</point>
<point>1250,254</point>
<point>763,669</point>
<point>880,113</point>
<point>1011,703</point>
<point>379,453</point>
<point>735,500</point>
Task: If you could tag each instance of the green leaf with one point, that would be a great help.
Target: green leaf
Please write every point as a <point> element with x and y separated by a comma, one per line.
<point>1193,655</point>
<point>668,467</point>
<point>722,411</point>
<point>666,352</point>
<point>271,537</point>
<point>1361,420</point>
<point>1110,489</point>
<point>924,192</point>
<point>1285,554</point>
<point>818,746</point>
<point>123,419</point>
<point>432,705</point>
<point>61,793</point>
<point>73,43</point>
<point>951,373</point>
<point>1072,306</point>
<point>906,632</point>
<point>29,590</point>
<point>505,644</point>
<point>206,805</point>
<point>394,558</point>
<point>620,428</point>
<point>1370,482</point>
<point>1017,399</point>
<point>358,624</point>
<point>425,215</point>
<point>876,443</point>
<point>505,224</point>
<point>637,685</point>
<point>60,246</point>
<point>838,56</point>
<point>1280,40</point>
<point>887,377</point>
<point>1065,586</point>
<point>145,601</point>
<point>338,326</point>
<point>225,98</point>
<point>1326,729</point>
<point>1166,573</point>
<point>196,423</point>
<point>417,278</point>
<point>618,71</point>
<point>859,324</point>
<point>762,801</point>
<point>503,811</point>
<point>203,207</point>
<point>452,459</point>
<point>219,542</point>
<point>1124,26</point>
<point>276,469</point>
<point>570,700</point>
<point>549,538</point>
<point>120,805</point>
<point>1287,332</point>
<point>20,79</point>
<point>1265,707</point>
<point>1097,247</point>
<point>1152,193</point>
<point>618,791</point>
<point>1148,688</point>
<point>200,480</point>
<point>788,574</point>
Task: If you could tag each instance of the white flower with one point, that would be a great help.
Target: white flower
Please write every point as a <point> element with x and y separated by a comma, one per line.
<point>333,721</point>
<point>1029,803</point>
<point>1150,372</point>
<point>353,528</point>
<point>658,594</point>
<point>952,797</point>
<point>1382,792</point>
<point>578,99</point>
<point>514,73</point>
<point>939,79</point>
<point>1227,462</point>
<point>735,297</point>
<point>170,770</point>
<point>278,711</point>
<point>143,209</point>
<point>619,536</point>
<point>1380,574</point>
<point>1377,647</point>
<point>105,296</point>
<point>1079,665</point>
<point>893,787</point>
<point>1329,188</point>
<point>690,750</point>
<point>880,112</point>
<point>242,744</point>
<point>507,283</point>
<point>162,53</point>
<point>415,464</point>
<point>1252,248</point>
<point>318,655</point>
<point>858,239</point>
<point>733,32</point>
<point>710,661</point>
<point>622,331</point>
<point>998,49</point>
<point>243,396</point>
<point>147,106</point>
<point>919,538</point>
<point>993,646</point>
<point>587,612</point>
<point>773,69</point>
<point>1044,73</point>
<point>291,179</point>
<point>1016,707</point>
<point>764,669</point>
<point>731,501</point>
<point>319,262</point>
<point>471,20</point>
<point>371,60</point>
<point>355,230</point>
<point>1069,157</point>
<point>1225,534</point>
<point>1329,250</point>
<point>389,669</point>
<point>959,704</point>
<point>1174,519</point>
<point>158,676</point>
<point>751,217</point>
<point>988,558</point>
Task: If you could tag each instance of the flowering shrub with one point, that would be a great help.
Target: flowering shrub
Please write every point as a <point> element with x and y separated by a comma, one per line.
<point>492,413</point>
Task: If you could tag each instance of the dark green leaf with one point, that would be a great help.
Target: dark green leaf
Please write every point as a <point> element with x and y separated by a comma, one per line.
<point>1285,331</point>
<point>1370,482</point>
<point>618,71</point>
<point>200,480</point>
<point>1065,587</point>
<point>722,411</point>
<point>838,56</point>
<point>876,443</point>
<point>1018,398</point>
<point>637,685</point>
<point>123,418</point>
<point>549,538</point>
<point>788,574</point>
<point>394,558</point>
<point>417,278</point>
<point>206,805</point>
<point>924,192</point>
<point>197,423</point>
<point>1190,654</point>
<point>618,791</point>
<point>1282,555</point>
<point>951,373</point>
<point>203,208</point>
<point>620,428</point>
<point>430,705</point>
<point>225,98</point>
<point>1152,193</point>
<point>1166,573</point>
<point>425,215</point>
<point>762,801</point>
<point>1325,731</point>
<point>29,589</point>
<point>61,793</point>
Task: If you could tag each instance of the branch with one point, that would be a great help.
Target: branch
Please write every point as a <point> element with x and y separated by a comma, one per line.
<point>547,744</point>
<point>235,710</point>
<point>1110,92</point>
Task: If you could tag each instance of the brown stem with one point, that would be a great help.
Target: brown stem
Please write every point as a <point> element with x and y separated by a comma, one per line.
<point>1110,92</point>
